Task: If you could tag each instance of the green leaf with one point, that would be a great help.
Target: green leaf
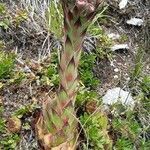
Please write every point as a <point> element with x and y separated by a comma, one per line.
<point>2,8</point>
<point>5,24</point>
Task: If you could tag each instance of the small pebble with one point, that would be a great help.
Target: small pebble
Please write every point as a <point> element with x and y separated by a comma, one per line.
<point>114,36</point>
<point>116,77</point>
<point>135,21</point>
<point>119,47</point>
<point>123,4</point>
<point>112,64</point>
<point>27,69</point>
<point>116,70</point>
<point>147,67</point>
<point>128,78</point>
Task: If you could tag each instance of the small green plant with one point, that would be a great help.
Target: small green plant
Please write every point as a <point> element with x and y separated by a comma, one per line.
<point>129,130</point>
<point>137,70</point>
<point>95,127</point>
<point>145,85</point>
<point>144,95</point>
<point>124,144</point>
<point>95,30</point>
<point>21,16</point>
<point>8,141</point>
<point>84,95</point>
<point>55,18</point>
<point>24,110</point>
<point>50,72</point>
<point>103,48</point>
<point>103,41</point>
<point>4,22</point>
<point>85,70</point>
<point>6,64</point>
<point>2,8</point>
<point>51,75</point>
<point>7,19</point>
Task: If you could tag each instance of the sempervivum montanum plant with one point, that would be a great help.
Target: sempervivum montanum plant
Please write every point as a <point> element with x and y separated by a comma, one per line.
<point>57,126</point>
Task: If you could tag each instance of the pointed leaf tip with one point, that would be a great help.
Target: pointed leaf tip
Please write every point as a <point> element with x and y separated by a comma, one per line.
<point>68,40</point>
<point>78,23</point>
<point>70,15</point>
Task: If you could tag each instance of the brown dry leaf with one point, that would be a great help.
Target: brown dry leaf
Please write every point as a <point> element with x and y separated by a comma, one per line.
<point>14,124</point>
<point>35,66</point>
<point>91,106</point>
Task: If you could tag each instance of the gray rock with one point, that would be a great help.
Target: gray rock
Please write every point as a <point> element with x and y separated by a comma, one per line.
<point>119,47</point>
<point>123,4</point>
<point>118,95</point>
<point>135,22</point>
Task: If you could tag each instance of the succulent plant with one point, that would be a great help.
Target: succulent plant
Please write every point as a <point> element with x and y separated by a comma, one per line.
<point>57,125</point>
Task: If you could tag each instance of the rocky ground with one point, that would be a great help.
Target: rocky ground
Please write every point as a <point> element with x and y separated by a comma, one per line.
<point>124,44</point>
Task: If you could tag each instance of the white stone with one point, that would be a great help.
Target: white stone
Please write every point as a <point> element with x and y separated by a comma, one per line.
<point>119,46</point>
<point>112,64</point>
<point>135,21</point>
<point>116,77</point>
<point>128,79</point>
<point>118,95</point>
<point>27,69</point>
<point>123,4</point>
<point>114,36</point>
<point>116,70</point>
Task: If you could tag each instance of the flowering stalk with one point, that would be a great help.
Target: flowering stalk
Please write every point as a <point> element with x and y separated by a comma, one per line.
<point>57,126</point>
